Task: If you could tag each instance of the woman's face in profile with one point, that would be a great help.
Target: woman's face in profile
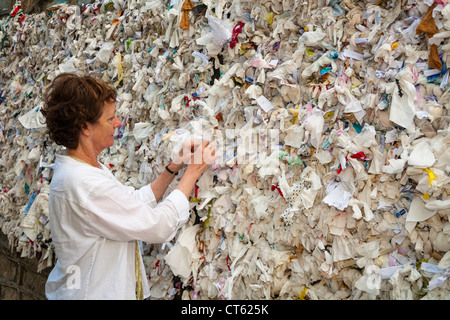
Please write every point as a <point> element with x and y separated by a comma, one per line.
<point>102,131</point>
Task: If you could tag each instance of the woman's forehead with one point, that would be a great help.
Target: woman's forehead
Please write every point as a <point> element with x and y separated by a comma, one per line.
<point>109,106</point>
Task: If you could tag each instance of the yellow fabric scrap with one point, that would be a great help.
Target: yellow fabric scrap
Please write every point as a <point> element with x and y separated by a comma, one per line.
<point>269,17</point>
<point>431,175</point>
<point>303,295</point>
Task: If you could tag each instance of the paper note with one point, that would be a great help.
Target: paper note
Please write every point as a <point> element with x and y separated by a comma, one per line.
<point>431,268</point>
<point>338,197</point>
<point>387,273</point>
<point>353,55</point>
<point>264,103</point>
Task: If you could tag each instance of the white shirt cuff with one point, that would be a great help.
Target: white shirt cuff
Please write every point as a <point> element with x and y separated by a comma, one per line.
<point>181,204</point>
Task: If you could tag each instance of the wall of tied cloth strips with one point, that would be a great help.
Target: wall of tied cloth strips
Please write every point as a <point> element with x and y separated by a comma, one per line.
<point>343,193</point>
<point>35,6</point>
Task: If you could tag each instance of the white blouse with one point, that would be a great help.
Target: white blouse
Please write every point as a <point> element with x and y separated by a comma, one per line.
<point>94,221</point>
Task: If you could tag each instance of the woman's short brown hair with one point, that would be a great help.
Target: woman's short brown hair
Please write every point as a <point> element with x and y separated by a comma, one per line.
<point>71,101</point>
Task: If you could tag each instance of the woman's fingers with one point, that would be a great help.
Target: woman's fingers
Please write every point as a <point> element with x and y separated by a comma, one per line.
<point>205,143</point>
<point>197,157</point>
<point>202,158</point>
<point>190,145</point>
<point>209,155</point>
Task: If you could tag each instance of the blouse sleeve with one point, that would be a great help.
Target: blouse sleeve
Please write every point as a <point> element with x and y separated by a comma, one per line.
<point>120,213</point>
<point>144,194</point>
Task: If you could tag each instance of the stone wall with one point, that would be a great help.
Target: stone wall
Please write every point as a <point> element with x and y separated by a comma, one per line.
<point>19,279</point>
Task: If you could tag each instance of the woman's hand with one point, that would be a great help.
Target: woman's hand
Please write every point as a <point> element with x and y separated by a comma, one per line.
<point>202,157</point>
<point>185,155</point>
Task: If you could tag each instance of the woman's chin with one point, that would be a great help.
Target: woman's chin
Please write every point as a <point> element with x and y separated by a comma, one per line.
<point>111,142</point>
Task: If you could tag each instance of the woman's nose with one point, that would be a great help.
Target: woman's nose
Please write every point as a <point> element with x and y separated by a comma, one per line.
<point>116,122</point>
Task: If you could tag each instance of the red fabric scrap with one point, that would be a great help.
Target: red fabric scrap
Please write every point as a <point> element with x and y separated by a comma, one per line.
<point>275,186</point>
<point>236,31</point>
<point>359,155</point>
<point>186,101</point>
<point>15,11</point>
<point>340,167</point>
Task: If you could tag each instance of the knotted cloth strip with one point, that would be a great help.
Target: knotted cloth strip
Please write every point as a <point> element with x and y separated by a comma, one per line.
<point>187,6</point>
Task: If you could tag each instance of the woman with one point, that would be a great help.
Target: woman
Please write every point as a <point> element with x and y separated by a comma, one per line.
<point>95,220</point>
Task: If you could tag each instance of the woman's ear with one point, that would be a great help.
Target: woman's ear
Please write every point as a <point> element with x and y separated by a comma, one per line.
<point>86,129</point>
